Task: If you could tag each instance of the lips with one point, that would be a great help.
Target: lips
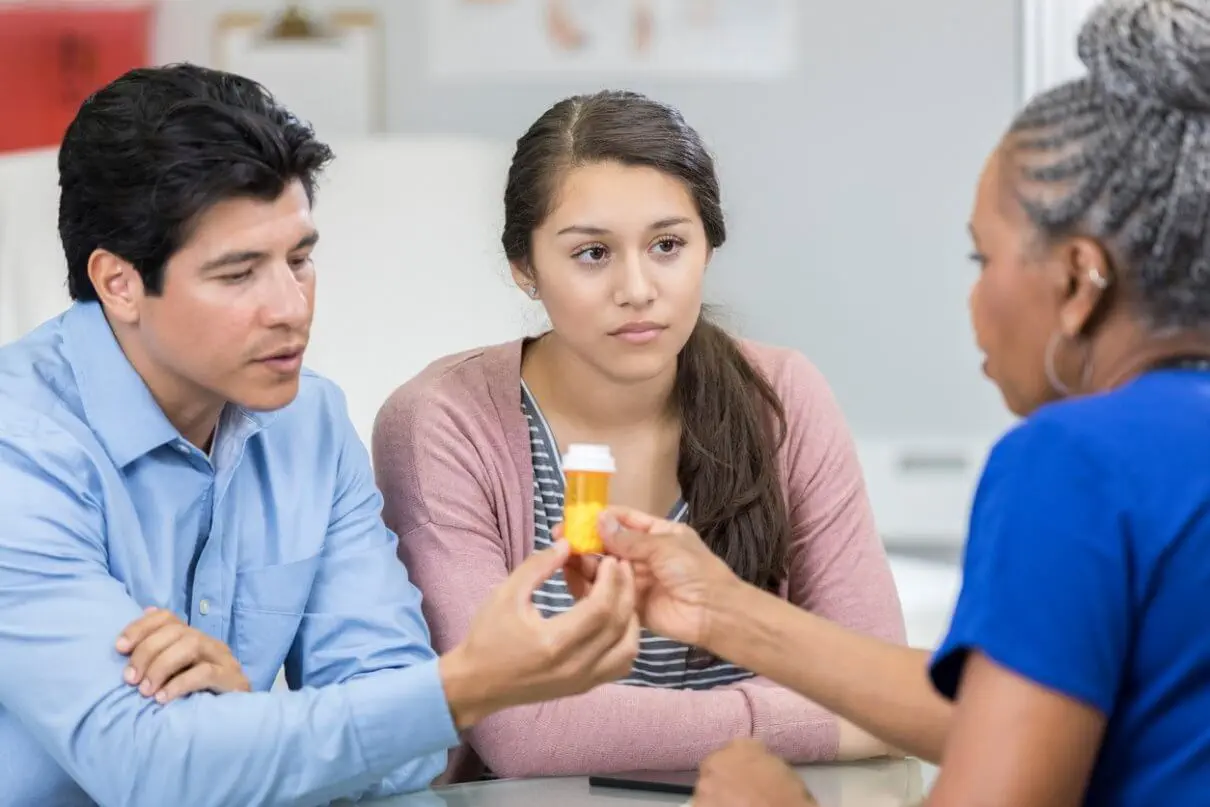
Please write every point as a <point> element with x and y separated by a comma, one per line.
<point>286,361</point>
<point>638,333</point>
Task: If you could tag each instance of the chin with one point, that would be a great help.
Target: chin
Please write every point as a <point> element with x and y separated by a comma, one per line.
<point>267,399</point>
<point>640,369</point>
<point>1021,406</point>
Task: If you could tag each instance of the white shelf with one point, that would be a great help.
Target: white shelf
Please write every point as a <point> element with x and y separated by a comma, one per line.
<point>921,488</point>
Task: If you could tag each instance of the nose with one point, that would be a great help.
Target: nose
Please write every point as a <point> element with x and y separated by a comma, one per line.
<point>287,299</point>
<point>634,284</point>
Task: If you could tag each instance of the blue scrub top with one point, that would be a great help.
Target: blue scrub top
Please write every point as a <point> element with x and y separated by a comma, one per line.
<point>1087,571</point>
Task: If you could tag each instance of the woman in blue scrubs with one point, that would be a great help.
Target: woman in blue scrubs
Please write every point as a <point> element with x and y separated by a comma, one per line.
<point>1077,667</point>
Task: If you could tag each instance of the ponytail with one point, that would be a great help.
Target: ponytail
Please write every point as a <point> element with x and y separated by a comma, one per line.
<point>732,426</point>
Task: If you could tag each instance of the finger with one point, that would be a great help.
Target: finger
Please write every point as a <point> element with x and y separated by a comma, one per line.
<point>198,678</point>
<point>625,604</point>
<point>152,620</point>
<point>618,660</point>
<point>749,745</point>
<point>600,620</point>
<point>579,573</point>
<point>535,571</point>
<point>627,517</point>
<point>184,653</point>
<point>205,677</point>
<point>578,583</point>
<point>629,545</point>
<point>149,648</point>
<point>585,626</point>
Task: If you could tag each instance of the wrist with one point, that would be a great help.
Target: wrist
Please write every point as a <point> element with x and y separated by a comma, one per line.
<point>467,693</point>
<point>723,617</point>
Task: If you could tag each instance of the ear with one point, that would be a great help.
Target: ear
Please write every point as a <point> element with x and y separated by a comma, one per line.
<point>1087,276</point>
<point>523,276</point>
<point>119,285</point>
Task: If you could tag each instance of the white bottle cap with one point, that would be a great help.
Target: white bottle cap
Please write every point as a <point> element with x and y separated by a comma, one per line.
<point>588,458</point>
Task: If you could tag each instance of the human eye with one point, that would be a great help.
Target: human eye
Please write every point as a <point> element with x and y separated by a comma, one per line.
<point>591,254</point>
<point>237,277</point>
<point>301,263</point>
<point>668,245</point>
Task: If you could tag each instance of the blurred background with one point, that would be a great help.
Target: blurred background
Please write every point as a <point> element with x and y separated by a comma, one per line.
<point>848,136</point>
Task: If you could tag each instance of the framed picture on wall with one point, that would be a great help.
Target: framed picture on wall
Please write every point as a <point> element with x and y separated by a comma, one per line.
<point>328,69</point>
<point>508,40</point>
<point>1049,32</point>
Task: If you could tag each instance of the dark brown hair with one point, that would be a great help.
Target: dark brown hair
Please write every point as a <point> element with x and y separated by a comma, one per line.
<point>732,420</point>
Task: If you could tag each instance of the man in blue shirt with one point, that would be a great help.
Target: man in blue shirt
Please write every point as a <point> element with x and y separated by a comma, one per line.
<point>162,447</point>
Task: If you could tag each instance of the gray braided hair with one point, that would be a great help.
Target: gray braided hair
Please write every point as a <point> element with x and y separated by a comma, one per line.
<point>1123,155</point>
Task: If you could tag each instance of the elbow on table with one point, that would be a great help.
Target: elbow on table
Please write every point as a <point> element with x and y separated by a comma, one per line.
<point>524,760</point>
<point>419,774</point>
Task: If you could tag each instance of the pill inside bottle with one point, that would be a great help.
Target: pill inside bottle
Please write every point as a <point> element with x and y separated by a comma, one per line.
<point>587,469</point>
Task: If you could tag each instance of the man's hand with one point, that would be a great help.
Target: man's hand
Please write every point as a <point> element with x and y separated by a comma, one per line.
<point>513,656</point>
<point>169,659</point>
<point>677,575</point>
<point>744,774</point>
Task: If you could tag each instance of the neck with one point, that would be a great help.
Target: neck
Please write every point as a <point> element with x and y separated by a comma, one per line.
<point>583,395</point>
<point>1126,350</point>
<point>191,411</point>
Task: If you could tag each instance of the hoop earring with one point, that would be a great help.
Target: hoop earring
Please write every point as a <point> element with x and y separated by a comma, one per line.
<point>1052,373</point>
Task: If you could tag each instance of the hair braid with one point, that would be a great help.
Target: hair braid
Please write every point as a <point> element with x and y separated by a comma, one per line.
<point>1123,155</point>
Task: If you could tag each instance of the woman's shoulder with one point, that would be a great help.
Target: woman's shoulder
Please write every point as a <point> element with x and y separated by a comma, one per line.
<point>468,385</point>
<point>804,391</point>
<point>788,370</point>
<point>1111,427</point>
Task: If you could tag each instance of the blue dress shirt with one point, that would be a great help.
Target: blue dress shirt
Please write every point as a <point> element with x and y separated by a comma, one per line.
<point>273,544</point>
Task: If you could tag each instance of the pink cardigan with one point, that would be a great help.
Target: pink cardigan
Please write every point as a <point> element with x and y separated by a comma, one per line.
<point>452,456</point>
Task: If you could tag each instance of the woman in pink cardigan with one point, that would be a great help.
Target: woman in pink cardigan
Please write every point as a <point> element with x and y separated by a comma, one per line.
<point>612,214</point>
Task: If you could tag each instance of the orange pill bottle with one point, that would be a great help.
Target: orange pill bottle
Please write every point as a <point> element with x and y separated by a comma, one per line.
<point>587,468</point>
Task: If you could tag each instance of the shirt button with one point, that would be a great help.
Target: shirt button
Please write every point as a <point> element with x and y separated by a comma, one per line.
<point>181,447</point>
<point>203,607</point>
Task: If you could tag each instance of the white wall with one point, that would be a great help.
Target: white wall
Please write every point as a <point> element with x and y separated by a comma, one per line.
<point>847,184</point>
<point>847,187</point>
<point>1048,38</point>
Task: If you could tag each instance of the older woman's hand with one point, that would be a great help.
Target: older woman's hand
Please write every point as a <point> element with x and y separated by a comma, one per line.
<point>676,575</point>
<point>744,774</point>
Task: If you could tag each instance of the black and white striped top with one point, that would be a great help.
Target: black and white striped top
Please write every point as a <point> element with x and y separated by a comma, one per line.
<point>661,662</point>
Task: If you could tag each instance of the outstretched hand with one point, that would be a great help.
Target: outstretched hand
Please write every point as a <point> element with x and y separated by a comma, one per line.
<point>512,655</point>
<point>676,575</point>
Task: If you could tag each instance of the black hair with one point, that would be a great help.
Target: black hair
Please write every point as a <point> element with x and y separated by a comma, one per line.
<point>151,151</point>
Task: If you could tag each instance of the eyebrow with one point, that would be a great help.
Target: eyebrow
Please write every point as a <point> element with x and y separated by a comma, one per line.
<point>584,229</point>
<point>249,256</point>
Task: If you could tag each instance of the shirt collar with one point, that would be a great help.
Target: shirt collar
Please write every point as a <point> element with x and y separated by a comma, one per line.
<point>119,407</point>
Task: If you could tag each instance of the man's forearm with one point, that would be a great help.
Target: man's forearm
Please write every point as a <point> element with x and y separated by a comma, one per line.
<point>880,687</point>
<point>307,747</point>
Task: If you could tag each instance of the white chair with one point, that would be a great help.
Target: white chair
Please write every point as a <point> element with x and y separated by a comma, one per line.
<point>410,263</point>
<point>33,271</point>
